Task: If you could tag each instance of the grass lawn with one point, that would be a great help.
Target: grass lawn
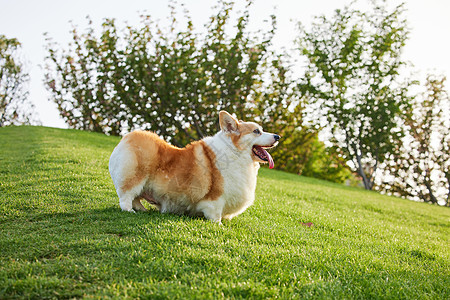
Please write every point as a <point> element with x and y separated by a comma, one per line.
<point>63,235</point>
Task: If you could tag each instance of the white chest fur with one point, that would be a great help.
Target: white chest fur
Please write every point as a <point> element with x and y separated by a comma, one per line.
<point>239,173</point>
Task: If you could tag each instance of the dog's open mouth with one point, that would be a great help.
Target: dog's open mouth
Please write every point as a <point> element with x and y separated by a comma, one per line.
<point>263,155</point>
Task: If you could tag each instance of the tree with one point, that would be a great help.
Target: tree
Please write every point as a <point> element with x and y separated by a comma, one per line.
<point>169,81</point>
<point>420,170</point>
<point>351,81</point>
<point>281,110</point>
<point>14,105</point>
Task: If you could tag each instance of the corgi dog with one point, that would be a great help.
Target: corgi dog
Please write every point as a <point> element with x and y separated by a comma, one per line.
<point>214,178</point>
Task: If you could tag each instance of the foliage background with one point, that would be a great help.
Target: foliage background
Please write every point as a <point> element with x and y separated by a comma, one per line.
<point>15,107</point>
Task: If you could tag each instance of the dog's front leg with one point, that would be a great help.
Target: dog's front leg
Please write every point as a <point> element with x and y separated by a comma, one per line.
<point>212,209</point>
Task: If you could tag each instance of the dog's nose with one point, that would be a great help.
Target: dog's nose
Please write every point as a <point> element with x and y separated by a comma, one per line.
<point>276,137</point>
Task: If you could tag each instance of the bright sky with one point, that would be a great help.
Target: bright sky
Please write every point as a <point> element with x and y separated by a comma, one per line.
<point>428,47</point>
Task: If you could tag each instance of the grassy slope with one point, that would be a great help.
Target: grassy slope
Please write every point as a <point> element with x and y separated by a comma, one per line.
<point>63,235</point>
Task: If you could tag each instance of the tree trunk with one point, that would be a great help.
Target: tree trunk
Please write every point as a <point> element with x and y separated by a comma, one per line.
<point>448,191</point>
<point>367,182</point>
<point>430,191</point>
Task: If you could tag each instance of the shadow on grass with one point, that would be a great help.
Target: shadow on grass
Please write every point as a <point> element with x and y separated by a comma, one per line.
<point>109,215</point>
<point>88,233</point>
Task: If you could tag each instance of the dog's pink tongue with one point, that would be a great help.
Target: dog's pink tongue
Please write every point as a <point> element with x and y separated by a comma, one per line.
<point>269,157</point>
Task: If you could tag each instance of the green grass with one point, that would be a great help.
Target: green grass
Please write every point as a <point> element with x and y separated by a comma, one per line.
<point>62,235</point>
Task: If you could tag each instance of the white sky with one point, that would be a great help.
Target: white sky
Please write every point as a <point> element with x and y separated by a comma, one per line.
<point>428,47</point>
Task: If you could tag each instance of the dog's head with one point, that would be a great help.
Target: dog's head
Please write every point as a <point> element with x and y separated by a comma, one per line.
<point>249,136</point>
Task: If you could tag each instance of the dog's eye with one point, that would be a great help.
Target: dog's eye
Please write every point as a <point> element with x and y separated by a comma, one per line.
<point>257,131</point>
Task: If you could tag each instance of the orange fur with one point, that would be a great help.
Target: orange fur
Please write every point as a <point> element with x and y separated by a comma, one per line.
<point>188,171</point>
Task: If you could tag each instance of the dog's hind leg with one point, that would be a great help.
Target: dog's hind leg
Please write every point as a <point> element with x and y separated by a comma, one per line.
<point>150,199</point>
<point>128,199</point>
<point>137,205</point>
<point>126,202</point>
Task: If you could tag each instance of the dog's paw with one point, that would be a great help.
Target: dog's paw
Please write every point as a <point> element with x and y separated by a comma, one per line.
<point>215,220</point>
<point>218,222</point>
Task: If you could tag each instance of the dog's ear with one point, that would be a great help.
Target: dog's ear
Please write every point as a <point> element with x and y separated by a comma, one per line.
<point>228,123</point>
